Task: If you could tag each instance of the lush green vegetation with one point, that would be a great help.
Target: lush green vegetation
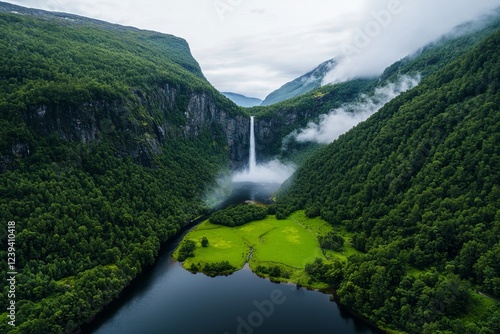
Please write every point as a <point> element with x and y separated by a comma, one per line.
<point>331,273</point>
<point>186,249</point>
<point>289,115</point>
<point>86,79</point>
<point>435,56</point>
<point>88,217</point>
<point>413,192</point>
<point>90,214</point>
<point>238,215</point>
<point>54,61</point>
<point>296,113</point>
<point>331,241</point>
<point>281,249</point>
<point>214,268</point>
<point>417,185</point>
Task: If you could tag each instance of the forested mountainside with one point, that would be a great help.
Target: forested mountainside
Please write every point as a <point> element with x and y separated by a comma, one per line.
<point>303,84</point>
<point>90,81</point>
<point>275,122</point>
<point>109,138</point>
<point>417,188</point>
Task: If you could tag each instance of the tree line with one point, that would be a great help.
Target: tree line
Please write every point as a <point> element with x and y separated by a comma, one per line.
<point>237,215</point>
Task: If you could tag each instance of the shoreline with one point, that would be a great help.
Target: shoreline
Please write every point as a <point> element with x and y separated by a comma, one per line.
<point>325,290</point>
<point>168,245</point>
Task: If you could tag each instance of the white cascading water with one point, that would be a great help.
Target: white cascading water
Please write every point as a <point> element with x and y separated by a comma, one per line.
<point>252,163</point>
<point>270,172</point>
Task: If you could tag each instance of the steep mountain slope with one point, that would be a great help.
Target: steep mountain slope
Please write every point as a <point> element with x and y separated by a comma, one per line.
<point>110,135</point>
<point>303,84</point>
<point>441,52</point>
<point>242,100</point>
<point>87,80</point>
<point>274,123</point>
<point>175,48</point>
<point>416,187</point>
<point>314,79</point>
<point>109,138</point>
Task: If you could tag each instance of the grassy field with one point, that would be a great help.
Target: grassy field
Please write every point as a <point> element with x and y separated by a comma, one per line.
<point>288,244</point>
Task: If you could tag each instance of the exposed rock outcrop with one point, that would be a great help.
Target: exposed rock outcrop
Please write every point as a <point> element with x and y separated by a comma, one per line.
<point>141,125</point>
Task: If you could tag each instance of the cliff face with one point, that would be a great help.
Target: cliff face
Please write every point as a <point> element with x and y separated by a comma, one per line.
<point>158,115</point>
<point>271,130</point>
<point>139,93</point>
<point>141,125</point>
<point>202,111</point>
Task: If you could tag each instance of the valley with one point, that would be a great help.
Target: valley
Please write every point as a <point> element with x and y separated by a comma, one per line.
<point>381,190</point>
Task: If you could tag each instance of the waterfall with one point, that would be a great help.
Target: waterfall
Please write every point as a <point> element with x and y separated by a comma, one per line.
<point>252,160</point>
<point>273,171</point>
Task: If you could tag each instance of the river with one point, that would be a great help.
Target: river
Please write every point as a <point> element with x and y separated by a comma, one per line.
<point>168,299</point>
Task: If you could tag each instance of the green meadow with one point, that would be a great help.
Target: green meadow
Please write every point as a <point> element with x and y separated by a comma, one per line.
<point>288,244</point>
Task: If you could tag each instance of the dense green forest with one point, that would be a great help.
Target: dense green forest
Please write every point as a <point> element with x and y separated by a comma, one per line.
<point>87,79</point>
<point>296,113</point>
<point>90,213</point>
<point>238,215</point>
<point>417,185</point>
<point>87,222</point>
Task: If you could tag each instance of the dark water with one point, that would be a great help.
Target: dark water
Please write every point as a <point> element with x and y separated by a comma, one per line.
<point>259,192</point>
<point>169,299</point>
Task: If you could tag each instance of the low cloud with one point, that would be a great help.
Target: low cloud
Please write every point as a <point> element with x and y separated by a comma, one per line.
<point>271,172</point>
<point>219,192</point>
<point>259,45</point>
<point>341,120</point>
<point>393,29</point>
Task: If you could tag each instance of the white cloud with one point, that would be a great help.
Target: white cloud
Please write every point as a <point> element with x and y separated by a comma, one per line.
<point>342,119</point>
<point>398,28</point>
<point>257,46</point>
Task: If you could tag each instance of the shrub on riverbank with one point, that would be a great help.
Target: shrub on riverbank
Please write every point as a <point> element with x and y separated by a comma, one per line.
<point>186,250</point>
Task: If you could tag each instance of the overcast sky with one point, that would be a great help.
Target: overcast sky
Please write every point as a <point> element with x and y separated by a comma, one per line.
<point>253,47</point>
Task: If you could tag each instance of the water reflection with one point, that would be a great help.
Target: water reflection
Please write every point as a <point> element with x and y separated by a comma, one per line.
<point>169,299</point>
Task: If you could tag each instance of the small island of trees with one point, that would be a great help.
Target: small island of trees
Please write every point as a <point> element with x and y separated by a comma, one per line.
<point>237,215</point>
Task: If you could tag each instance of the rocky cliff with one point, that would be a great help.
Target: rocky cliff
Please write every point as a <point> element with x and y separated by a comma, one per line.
<point>87,81</point>
<point>141,125</point>
<point>203,111</point>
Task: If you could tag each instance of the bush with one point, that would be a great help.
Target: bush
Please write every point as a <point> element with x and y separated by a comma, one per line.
<point>186,250</point>
<point>331,241</point>
<point>218,268</point>
<point>204,242</point>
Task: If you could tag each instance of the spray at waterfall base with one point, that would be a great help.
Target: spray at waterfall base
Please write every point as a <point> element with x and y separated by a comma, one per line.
<point>273,171</point>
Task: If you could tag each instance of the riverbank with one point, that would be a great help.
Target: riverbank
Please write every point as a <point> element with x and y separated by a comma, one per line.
<point>165,248</point>
<point>274,249</point>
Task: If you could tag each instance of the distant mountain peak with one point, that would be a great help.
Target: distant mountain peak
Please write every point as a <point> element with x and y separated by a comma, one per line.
<point>303,84</point>
<point>242,100</point>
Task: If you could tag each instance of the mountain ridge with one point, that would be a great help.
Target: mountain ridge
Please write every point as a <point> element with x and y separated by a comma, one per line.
<point>303,84</point>
<point>144,85</point>
<point>72,19</point>
<point>242,100</point>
